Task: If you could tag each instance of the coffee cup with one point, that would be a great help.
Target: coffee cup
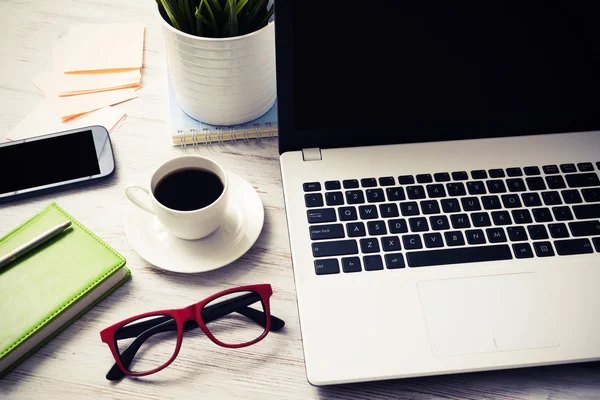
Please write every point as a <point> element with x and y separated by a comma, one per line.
<point>187,194</point>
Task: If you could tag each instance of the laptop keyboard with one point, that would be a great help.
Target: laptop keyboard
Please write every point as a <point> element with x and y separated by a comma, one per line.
<point>452,218</point>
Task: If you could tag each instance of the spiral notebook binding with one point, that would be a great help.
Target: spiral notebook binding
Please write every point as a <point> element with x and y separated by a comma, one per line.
<point>208,135</point>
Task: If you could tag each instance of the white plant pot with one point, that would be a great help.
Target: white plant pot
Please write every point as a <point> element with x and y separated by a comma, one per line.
<point>223,81</point>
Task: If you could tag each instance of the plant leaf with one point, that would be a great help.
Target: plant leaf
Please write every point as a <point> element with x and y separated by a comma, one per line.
<point>266,19</point>
<point>240,5</point>
<point>261,6</point>
<point>233,22</point>
<point>188,13</point>
<point>213,21</point>
<point>171,11</point>
<point>217,7</point>
<point>199,29</point>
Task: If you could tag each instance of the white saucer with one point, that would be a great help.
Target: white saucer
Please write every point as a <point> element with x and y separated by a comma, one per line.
<point>242,226</point>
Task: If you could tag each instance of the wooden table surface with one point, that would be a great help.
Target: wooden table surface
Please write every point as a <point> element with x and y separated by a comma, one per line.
<point>73,365</point>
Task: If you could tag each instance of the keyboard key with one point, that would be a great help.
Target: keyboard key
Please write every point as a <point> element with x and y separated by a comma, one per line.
<point>320,232</point>
<point>531,199</point>
<point>389,210</point>
<point>351,264</point>
<point>496,235</point>
<point>456,189</point>
<point>311,186</point>
<point>550,169</point>
<point>390,243</point>
<point>394,261</point>
<point>376,228</point>
<point>321,215</point>
<point>387,181</point>
<point>480,219</point>
<point>543,249</point>
<point>571,196</point>
<point>591,195</point>
<point>516,233</point>
<point>556,182</point>
<point>334,248</point>
<point>573,246</point>
<point>415,192</point>
<point>369,245</point>
<point>375,195</point>
<point>368,182</point>
<point>460,221</point>
<point>496,186</point>
<point>568,168</point>
<point>475,236</point>
<point>442,177</point>
<point>501,218</point>
<point>536,183</point>
<point>460,176</point>
<point>433,240</point>
<point>558,231</point>
<point>479,174</point>
<point>436,190</point>
<point>458,256</point>
<point>334,198</point>
<point>587,211</point>
<point>424,178</point>
<point>333,185</point>
<point>327,266</point>
<point>397,226</point>
<point>562,213</point>
<point>537,232</point>
<point>350,184</point>
<point>529,171</point>
<point>521,216</point>
<point>522,250</point>
<point>583,180</point>
<point>511,200</point>
<point>496,173</point>
<point>450,205</point>
<point>585,228</point>
<point>412,242</point>
<point>470,204</point>
<point>542,214</point>
<point>551,198</point>
<point>596,243</point>
<point>313,200</point>
<point>373,263</point>
<point>418,224</point>
<point>368,212</point>
<point>395,194</point>
<point>585,167</point>
<point>355,197</point>
<point>356,229</point>
<point>430,207</point>
<point>491,202</point>
<point>454,238</point>
<point>347,213</point>
<point>409,208</point>
<point>406,180</point>
<point>515,185</point>
<point>514,171</point>
<point>476,187</point>
<point>439,222</point>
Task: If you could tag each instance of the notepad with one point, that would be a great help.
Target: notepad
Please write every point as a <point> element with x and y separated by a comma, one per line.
<point>44,291</point>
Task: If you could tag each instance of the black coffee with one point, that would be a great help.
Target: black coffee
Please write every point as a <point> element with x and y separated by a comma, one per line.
<point>188,189</point>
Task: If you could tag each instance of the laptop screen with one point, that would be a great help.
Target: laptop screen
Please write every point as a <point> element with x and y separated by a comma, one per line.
<point>401,72</point>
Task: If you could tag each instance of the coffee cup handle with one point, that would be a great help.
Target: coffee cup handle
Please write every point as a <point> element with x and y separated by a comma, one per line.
<point>143,204</point>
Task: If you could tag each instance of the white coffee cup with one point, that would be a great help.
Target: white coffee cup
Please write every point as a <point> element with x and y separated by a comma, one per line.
<point>194,224</point>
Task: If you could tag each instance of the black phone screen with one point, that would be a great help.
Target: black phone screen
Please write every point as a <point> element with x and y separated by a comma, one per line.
<point>47,161</point>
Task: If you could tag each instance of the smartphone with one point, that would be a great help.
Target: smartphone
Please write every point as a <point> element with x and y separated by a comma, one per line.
<point>54,161</point>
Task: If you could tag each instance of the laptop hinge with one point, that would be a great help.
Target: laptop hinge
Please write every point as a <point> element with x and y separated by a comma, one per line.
<point>312,154</point>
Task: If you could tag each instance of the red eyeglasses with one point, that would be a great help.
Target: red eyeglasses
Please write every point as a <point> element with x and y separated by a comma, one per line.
<point>148,343</point>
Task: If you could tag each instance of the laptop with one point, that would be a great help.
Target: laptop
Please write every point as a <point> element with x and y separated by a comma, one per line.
<point>440,165</point>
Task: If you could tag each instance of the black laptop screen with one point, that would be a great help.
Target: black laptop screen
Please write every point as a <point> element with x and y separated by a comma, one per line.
<point>427,71</point>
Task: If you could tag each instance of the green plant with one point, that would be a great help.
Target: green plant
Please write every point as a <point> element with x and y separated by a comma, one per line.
<point>216,18</point>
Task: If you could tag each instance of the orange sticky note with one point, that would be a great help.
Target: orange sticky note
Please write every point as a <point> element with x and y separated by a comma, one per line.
<point>102,47</point>
<point>69,106</point>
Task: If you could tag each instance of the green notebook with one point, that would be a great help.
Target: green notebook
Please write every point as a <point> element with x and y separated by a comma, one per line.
<point>45,290</point>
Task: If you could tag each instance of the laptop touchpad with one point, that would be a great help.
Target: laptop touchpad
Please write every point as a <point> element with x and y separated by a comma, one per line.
<point>486,314</point>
